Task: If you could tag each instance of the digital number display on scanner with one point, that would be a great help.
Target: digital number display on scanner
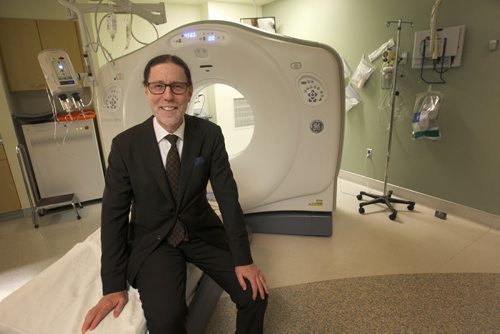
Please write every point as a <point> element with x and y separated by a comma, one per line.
<point>189,34</point>
<point>200,36</point>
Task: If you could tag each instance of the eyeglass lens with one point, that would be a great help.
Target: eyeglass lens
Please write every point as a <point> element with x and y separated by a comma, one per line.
<point>175,87</point>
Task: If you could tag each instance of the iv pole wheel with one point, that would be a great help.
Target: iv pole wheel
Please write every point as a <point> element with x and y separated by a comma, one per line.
<point>361,210</point>
<point>392,216</point>
<point>411,207</point>
<point>359,197</point>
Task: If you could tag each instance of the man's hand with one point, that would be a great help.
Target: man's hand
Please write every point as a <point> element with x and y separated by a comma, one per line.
<point>256,278</point>
<point>114,301</point>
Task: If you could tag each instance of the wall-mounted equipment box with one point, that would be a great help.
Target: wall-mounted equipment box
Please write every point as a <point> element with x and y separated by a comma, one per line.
<point>450,46</point>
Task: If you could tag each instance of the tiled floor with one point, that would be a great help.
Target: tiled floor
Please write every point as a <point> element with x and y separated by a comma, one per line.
<point>361,245</point>
<point>372,244</point>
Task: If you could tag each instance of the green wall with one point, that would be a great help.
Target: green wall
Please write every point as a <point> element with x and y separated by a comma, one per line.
<point>464,166</point>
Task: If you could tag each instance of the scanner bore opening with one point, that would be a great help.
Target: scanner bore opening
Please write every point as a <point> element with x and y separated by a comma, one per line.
<point>228,108</point>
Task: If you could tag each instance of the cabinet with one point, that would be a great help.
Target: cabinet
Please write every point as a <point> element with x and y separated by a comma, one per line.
<point>9,200</point>
<point>22,39</point>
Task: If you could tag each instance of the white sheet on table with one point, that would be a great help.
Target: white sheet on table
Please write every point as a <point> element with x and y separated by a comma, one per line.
<point>57,299</point>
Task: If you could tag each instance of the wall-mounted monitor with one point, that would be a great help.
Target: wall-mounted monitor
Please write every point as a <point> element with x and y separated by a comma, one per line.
<point>267,23</point>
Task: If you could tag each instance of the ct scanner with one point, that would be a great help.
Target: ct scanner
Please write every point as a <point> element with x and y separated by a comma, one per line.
<point>287,174</point>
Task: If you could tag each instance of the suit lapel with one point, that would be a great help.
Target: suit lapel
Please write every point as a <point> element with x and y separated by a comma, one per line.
<point>190,150</point>
<point>152,156</point>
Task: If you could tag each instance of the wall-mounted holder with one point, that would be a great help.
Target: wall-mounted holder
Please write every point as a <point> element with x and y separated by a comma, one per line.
<point>449,46</point>
<point>441,69</point>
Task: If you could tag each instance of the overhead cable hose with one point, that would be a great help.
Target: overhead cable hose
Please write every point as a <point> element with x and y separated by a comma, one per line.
<point>132,30</point>
<point>434,43</point>
<point>97,27</point>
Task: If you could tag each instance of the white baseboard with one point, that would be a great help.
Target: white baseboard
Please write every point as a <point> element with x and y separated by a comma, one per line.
<point>435,203</point>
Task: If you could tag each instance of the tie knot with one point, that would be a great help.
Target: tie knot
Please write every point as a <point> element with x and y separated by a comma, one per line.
<point>172,139</point>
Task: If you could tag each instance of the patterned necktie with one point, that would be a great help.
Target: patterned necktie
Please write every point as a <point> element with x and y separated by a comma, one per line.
<point>178,233</point>
<point>173,165</point>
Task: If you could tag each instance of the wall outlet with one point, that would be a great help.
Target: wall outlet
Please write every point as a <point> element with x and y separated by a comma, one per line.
<point>369,153</point>
<point>402,58</point>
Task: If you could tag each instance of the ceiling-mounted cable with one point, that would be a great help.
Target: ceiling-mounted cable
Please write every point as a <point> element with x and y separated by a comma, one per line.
<point>132,31</point>
<point>434,42</point>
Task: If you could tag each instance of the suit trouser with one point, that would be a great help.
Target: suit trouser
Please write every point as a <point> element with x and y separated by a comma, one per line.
<point>161,282</point>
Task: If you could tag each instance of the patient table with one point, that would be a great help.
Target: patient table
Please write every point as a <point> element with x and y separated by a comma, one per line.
<point>56,301</point>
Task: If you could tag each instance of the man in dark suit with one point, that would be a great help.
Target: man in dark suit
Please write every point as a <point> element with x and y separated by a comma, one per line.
<point>141,248</point>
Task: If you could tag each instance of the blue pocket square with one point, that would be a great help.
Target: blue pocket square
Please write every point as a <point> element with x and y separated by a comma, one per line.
<point>199,161</point>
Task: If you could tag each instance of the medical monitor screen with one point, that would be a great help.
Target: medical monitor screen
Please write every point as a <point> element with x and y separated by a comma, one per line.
<point>265,23</point>
<point>62,71</point>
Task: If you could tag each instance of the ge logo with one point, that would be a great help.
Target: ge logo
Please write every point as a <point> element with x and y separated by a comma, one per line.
<point>317,126</point>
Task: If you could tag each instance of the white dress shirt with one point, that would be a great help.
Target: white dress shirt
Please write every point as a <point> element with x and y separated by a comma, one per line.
<point>163,143</point>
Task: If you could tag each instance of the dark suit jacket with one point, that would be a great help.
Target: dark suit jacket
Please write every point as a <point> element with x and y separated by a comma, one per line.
<point>136,183</point>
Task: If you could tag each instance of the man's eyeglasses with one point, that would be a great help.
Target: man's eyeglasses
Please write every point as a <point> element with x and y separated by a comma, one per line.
<point>158,88</point>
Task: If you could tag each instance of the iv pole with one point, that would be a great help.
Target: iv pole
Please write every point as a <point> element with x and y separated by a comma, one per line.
<point>387,198</point>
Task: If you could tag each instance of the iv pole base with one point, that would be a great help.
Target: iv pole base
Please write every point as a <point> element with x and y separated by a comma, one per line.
<point>384,199</point>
